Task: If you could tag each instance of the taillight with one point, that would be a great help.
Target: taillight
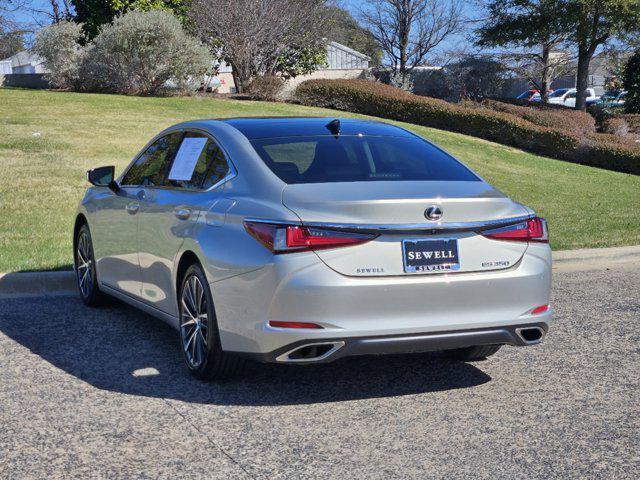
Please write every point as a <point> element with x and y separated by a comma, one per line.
<point>532,230</point>
<point>295,238</point>
<point>279,324</point>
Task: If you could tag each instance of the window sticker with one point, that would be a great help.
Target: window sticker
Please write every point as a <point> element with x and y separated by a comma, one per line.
<point>187,158</point>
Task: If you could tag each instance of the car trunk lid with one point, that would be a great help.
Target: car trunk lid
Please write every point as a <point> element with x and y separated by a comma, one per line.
<point>395,211</point>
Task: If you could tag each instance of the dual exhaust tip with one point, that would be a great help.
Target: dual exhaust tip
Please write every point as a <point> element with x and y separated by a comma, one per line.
<point>530,335</point>
<point>311,352</point>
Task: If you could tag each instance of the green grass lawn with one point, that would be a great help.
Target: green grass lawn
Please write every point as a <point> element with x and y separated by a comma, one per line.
<point>49,139</point>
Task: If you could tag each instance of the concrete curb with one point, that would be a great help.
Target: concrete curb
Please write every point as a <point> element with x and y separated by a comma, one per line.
<point>596,258</point>
<point>64,282</point>
<point>23,284</point>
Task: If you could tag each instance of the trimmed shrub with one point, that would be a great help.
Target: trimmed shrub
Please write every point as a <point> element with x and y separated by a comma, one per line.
<point>385,101</point>
<point>141,51</point>
<point>267,88</point>
<point>633,121</point>
<point>576,121</point>
<point>615,126</point>
<point>59,46</point>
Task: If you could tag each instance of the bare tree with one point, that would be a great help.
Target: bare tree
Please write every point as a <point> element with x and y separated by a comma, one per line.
<point>12,31</point>
<point>408,30</point>
<point>8,9</point>
<point>55,13</point>
<point>254,35</point>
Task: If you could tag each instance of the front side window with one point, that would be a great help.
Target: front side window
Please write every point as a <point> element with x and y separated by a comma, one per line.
<point>353,158</point>
<point>151,167</point>
<point>199,163</point>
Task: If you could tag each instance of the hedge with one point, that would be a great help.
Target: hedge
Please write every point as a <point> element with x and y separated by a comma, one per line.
<point>538,113</point>
<point>633,120</point>
<point>376,99</point>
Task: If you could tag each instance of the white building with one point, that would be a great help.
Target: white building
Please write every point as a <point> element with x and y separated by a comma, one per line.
<point>22,62</point>
<point>342,62</point>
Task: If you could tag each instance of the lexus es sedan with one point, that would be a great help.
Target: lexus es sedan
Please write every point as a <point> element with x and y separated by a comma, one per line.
<point>305,240</point>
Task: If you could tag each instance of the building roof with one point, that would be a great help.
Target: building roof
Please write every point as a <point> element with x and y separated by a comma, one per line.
<point>350,51</point>
<point>24,58</point>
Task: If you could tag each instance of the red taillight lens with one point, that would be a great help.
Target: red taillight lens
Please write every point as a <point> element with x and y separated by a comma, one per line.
<point>540,309</point>
<point>263,232</point>
<point>315,238</point>
<point>532,230</point>
<point>294,238</point>
<point>279,324</point>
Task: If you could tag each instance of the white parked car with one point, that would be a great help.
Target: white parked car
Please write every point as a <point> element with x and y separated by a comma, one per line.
<point>567,96</point>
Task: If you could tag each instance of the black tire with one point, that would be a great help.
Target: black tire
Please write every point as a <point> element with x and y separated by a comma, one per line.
<point>470,354</point>
<point>199,337</point>
<point>85,268</point>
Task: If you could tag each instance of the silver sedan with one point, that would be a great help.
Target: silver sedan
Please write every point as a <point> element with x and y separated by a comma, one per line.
<point>304,240</point>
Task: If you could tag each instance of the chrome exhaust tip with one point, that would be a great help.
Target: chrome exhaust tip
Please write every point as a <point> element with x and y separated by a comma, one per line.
<point>530,335</point>
<point>310,352</point>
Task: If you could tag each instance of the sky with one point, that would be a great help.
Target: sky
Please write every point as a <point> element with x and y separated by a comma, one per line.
<point>472,9</point>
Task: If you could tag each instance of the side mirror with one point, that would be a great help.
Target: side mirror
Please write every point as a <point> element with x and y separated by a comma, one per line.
<point>103,177</point>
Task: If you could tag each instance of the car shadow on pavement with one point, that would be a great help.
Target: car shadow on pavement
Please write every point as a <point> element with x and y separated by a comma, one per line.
<point>120,349</point>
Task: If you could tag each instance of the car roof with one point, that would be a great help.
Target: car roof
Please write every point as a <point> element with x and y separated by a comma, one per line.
<point>272,127</point>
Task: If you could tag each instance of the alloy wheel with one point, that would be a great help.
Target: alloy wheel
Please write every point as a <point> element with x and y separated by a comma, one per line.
<point>84,264</point>
<point>194,321</point>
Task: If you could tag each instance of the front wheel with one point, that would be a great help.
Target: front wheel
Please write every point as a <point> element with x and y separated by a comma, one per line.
<point>470,354</point>
<point>199,336</point>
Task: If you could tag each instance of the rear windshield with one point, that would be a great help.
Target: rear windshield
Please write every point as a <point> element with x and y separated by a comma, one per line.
<point>323,159</point>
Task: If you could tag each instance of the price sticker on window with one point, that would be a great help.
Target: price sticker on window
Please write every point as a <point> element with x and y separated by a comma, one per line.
<point>187,158</point>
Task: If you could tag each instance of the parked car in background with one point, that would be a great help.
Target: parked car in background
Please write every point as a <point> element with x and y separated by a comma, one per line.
<point>612,99</point>
<point>567,97</point>
<point>531,95</point>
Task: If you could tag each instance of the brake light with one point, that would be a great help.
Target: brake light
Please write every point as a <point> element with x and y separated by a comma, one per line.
<point>279,324</point>
<point>532,230</point>
<point>295,238</point>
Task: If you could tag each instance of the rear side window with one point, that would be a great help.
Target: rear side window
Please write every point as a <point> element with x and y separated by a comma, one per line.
<point>324,159</point>
<point>211,165</point>
<point>151,167</point>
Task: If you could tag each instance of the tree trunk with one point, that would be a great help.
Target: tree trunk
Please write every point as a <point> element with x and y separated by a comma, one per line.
<point>236,81</point>
<point>546,73</point>
<point>404,30</point>
<point>582,78</point>
<point>403,44</point>
<point>241,78</point>
<point>55,11</point>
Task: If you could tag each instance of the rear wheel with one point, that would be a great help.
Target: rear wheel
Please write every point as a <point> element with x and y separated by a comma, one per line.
<point>199,337</point>
<point>85,266</point>
<point>477,352</point>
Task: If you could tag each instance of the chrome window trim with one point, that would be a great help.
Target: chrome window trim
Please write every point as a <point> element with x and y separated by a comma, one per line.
<point>444,227</point>
<point>233,171</point>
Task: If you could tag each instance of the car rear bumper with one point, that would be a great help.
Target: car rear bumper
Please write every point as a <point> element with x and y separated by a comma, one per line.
<point>331,349</point>
<point>379,315</point>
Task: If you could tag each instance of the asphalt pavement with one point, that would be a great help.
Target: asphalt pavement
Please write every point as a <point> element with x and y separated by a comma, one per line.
<point>103,394</point>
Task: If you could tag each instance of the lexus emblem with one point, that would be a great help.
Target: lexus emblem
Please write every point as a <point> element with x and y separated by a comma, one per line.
<point>433,213</point>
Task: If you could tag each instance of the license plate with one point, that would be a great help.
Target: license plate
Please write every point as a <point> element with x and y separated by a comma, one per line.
<point>430,255</point>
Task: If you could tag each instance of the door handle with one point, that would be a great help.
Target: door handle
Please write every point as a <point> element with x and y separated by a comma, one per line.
<point>182,213</point>
<point>132,208</point>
